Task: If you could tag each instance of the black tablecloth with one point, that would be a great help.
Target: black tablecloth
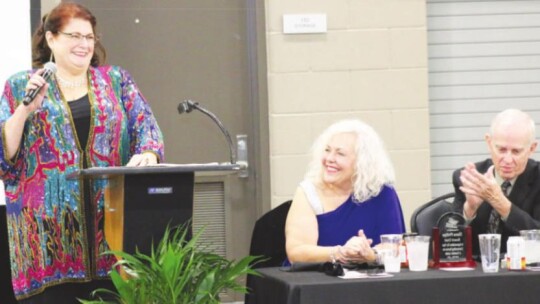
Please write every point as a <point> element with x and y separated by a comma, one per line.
<point>432,286</point>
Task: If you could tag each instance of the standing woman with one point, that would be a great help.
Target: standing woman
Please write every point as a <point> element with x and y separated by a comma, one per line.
<point>346,200</point>
<point>86,115</point>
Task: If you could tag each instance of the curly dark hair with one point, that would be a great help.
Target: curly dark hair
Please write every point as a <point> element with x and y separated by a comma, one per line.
<point>53,22</point>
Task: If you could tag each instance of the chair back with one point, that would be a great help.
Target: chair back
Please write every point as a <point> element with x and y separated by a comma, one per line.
<point>425,217</point>
<point>268,237</point>
<point>268,240</point>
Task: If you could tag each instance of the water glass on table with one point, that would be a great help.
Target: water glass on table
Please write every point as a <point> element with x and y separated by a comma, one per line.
<point>417,252</point>
<point>532,246</point>
<point>490,247</point>
<point>389,252</point>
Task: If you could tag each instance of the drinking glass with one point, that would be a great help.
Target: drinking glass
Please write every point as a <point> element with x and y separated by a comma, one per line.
<point>389,251</point>
<point>490,246</point>
<point>417,252</point>
<point>532,245</point>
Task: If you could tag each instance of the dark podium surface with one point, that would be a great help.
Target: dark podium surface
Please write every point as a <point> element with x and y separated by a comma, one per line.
<point>432,286</point>
<point>156,169</point>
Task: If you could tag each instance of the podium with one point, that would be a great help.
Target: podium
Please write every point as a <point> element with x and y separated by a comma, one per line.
<point>141,202</point>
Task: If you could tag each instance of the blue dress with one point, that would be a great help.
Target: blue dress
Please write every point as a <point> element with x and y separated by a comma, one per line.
<point>379,215</point>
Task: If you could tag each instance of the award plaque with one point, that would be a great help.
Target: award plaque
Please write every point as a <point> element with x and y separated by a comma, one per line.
<point>452,242</point>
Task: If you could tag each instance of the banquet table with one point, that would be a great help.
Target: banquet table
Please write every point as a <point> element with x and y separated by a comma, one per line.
<point>432,286</point>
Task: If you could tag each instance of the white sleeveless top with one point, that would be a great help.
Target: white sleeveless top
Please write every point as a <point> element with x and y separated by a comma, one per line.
<point>312,197</point>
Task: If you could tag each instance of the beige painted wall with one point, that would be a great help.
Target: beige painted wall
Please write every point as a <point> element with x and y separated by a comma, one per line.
<point>372,65</point>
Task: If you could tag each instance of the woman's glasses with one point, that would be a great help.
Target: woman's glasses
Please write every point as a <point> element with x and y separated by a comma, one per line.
<point>78,37</point>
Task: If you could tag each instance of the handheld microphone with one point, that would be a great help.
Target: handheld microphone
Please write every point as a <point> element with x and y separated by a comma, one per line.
<point>49,70</point>
<point>187,106</point>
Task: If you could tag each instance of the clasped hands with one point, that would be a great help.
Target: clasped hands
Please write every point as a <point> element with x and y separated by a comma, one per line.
<point>357,249</point>
<point>478,188</point>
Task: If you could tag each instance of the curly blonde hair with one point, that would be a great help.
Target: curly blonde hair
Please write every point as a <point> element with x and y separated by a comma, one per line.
<point>373,168</point>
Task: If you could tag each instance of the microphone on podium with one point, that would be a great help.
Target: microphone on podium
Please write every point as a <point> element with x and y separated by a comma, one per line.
<point>188,105</point>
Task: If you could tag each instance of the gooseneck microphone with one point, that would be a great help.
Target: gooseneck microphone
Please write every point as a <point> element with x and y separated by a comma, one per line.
<point>49,70</point>
<point>188,105</point>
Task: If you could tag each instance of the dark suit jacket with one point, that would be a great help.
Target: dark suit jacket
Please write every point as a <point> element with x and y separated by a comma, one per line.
<point>525,198</point>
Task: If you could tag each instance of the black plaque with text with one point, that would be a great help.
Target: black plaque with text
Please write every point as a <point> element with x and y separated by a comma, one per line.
<point>452,243</point>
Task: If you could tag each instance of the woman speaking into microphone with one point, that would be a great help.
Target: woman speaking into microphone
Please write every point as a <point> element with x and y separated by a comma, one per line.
<point>77,113</point>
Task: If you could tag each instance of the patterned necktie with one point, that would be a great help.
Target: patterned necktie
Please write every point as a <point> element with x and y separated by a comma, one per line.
<point>494,217</point>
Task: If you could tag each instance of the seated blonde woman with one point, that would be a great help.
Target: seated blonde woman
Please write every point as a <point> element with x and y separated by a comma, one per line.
<point>346,200</point>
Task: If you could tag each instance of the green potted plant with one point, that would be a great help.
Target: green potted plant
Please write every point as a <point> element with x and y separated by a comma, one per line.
<point>177,271</point>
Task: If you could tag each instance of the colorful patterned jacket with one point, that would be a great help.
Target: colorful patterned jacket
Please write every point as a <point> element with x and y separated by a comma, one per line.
<point>47,220</point>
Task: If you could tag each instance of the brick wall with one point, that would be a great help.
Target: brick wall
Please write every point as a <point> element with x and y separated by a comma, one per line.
<point>372,65</point>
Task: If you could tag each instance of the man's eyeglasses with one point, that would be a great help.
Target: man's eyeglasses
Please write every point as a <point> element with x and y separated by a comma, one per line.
<point>78,37</point>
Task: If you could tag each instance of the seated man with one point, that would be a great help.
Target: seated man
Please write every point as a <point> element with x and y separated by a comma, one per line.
<point>502,194</point>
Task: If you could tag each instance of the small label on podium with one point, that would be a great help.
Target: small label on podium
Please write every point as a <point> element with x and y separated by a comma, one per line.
<point>452,242</point>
